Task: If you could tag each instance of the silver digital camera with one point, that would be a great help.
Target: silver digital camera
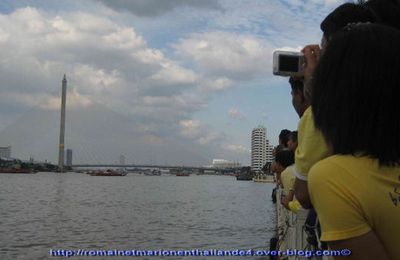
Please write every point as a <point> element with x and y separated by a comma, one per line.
<point>288,63</point>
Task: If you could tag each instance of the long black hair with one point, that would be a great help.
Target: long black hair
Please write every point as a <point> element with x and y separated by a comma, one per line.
<point>356,92</point>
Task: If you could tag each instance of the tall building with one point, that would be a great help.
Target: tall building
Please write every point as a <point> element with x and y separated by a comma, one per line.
<point>270,148</point>
<point>5,152</point>
<point>62,125</point>
<point>69,157</point>
<point>261,150</point>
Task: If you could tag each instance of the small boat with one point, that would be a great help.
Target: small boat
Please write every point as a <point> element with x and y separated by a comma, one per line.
<point>264,178</point>
<point>182,174</point>
<point>244,177</point>
<point>17,170</point>
<point>108,172</point>
<point>245,174</point>
<point>153,173</point>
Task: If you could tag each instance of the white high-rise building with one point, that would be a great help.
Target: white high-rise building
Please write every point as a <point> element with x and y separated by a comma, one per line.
<point>261,150</point>
<point>270,148</point>
<point>5,152</point>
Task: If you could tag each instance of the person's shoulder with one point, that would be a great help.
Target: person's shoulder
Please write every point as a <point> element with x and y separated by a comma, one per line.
<point>307,127</point>
<point>290,168</point>
<point>330,168</point>
<point>341,168</point>
<point>286,171</point>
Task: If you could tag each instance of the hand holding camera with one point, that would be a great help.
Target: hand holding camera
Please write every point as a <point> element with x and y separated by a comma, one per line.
<point>312,53</point>
<point>297,64</point>
<point>288,63</point>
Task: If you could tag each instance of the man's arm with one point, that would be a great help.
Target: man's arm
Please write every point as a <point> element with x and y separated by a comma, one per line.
<point>286,199</point>
<point>301,193</point>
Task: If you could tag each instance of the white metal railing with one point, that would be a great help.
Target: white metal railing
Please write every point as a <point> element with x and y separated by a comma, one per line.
<point>290,231</point>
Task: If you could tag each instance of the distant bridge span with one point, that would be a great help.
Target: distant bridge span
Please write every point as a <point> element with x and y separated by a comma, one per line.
<point>146,166</point>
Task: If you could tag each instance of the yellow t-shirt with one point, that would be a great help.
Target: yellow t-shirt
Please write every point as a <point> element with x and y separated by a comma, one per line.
<point>353,195</point>
<point>287,177</point>
<point>311,146</point>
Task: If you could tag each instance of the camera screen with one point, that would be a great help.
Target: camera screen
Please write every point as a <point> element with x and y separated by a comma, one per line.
<point>288,63</point>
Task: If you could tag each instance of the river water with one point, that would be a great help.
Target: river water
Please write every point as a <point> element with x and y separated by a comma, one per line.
<point>45,211</point>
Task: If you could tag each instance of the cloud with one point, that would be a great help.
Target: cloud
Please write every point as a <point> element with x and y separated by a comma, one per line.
<point>104,61</point>
<point>156,7</point>
<point>235,113</point>
<point>48,102</point>
<point>200,133</point>
<point>217,84</point>
<point>237,148</point>
<point>226,55</point>
<point>205,135</point>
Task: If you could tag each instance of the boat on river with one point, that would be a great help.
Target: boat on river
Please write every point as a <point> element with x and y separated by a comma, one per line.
<point>245,174</point>
<point>107,172</point>
<point>17,170</point>
<point>182,173</point>
<point>264,178</point>
<point>153,173</point>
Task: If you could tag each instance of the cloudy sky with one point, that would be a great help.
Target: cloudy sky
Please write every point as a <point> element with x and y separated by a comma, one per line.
<point>192,77</point>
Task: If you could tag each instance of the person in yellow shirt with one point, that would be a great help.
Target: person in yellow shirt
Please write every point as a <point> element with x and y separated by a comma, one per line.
<point>289,201</point>
<point>312,147</point>
<point>288,178</point>
<point>356,190</point>
<point>283,159</point>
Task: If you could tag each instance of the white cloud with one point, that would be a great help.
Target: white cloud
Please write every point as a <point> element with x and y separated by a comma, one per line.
<point>48,102</point>
<point>124,38</point>
<point>235,113</point>
<point>237,148</point>
<point>172,74</point>
<point>217,84</point>
<point>75,100</point>
<point>228,55</point>
<point>190,128</point>
<point>200,133</point>
<point>104,61</point>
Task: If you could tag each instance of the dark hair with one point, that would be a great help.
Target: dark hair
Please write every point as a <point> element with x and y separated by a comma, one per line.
<point>388,11</point>
<point>345,14</point>
<point>293,136</point>
<point>284,136</point>
<point>356,92</point>
<point>285,158</point>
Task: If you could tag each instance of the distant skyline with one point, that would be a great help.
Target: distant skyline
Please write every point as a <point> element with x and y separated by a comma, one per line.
<point>192,77</point>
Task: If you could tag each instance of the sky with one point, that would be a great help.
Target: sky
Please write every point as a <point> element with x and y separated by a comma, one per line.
<point>158,81</point>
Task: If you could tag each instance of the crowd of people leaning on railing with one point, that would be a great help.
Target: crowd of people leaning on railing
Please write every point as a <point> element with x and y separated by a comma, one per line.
<point>343,163</point>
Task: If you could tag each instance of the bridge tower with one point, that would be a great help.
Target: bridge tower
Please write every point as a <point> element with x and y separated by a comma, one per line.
<point>62,125</point>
